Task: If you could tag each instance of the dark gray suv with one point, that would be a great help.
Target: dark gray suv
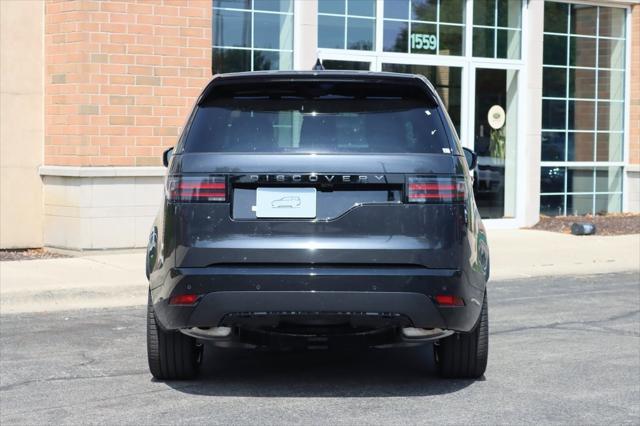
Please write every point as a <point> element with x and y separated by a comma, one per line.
<point>311,209</point>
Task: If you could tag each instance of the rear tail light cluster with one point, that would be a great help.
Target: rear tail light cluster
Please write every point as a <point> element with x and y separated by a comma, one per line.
<point>184,299</point>
<point>449,300</point>
<point>435,190</point>
<point>204,189</point>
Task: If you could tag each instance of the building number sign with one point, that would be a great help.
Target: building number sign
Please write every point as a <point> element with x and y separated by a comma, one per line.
<point>423,41</point>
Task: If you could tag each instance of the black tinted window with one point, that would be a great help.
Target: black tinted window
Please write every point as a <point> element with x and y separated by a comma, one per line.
<point>318,125</point>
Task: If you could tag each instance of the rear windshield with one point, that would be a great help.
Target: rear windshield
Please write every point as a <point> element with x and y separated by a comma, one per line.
<point>317,125</point>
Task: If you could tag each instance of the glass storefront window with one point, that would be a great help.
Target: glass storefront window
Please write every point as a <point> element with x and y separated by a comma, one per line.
<point>347,24</point>
<point>497,28</point>
<point>582,109</point>
<point>252,35</point>
<point>434,27</point>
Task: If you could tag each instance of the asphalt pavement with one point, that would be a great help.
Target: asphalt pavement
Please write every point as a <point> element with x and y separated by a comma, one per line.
<point>562,350</point>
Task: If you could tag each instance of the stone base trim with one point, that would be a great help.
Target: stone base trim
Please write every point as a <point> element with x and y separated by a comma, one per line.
<point>100,207</point>
<point>632,189</point>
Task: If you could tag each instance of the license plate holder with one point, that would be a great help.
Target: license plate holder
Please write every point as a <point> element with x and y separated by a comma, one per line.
<point>286,203</point>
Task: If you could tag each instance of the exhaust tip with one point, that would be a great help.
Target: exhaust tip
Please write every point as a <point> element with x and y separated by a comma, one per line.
<point>414,333</point>
<point>208,333</point>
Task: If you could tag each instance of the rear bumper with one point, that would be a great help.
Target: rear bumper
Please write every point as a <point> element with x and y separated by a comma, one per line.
<point>227,292</point>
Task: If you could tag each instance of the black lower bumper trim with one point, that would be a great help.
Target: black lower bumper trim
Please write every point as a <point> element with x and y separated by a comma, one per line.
<point>213,307</point>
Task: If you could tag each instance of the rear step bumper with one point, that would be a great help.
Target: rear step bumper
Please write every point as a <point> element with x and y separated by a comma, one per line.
<point>406,291</point>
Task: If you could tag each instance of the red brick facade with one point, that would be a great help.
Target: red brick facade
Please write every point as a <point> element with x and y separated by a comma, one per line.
<point>120,77</point>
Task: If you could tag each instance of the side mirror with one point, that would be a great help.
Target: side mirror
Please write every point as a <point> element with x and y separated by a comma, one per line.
<point>166,156</point>
<point>471,157</point>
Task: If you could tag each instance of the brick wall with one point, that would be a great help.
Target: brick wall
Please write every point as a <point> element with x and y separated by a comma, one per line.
<point>121,76</point>
<point>634,102</point>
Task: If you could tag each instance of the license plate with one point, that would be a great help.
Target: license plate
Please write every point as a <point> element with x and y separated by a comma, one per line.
<point>286,202</point>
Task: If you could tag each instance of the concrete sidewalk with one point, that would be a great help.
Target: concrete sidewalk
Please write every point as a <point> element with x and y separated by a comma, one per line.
<point>109,279</point>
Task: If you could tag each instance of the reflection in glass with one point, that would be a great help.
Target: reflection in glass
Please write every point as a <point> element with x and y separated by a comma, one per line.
<point>483,39</point>
<point>495,176</point>
<point>430,30</point>
<point>269,60</point>
<point>580,146</point>
<point>582,52</point>
<point>509,13</point>
<point>582,83</point>
<point>484,12</point>
<point>452,11</point>
<point>395,36</point>
<point>612,22</point>
<point>331,32</point>
<point>582,115</point>
<point>553,146</point>
<point>508,44</point>
<point>611,53</point>
<point>361,7</point>
<point>424,10</point>
<point>610,115</point>
<point>396,9</point>
<point>552,179</point>
<point>611,84</point>
<point>579,180</point>
<point>233,4</point>
<point>272,5</point>
<point>595,105</point>
<point>230,60</point>
<point>554,82</point>
<point>609,179</point>
<point>332,6</point>
<point>554,114</point>
<point>231,28</point>
<point>555,50</point>
<point>451,40</point>
<point>584,19</point>
<point>579,204</point>
<point>361,34</point>
<point>609,147</point>
<point>552,205</point>
<point>608,203</point>
<point>268,31</point>
<point>555,17</point>
<point>346,65</point>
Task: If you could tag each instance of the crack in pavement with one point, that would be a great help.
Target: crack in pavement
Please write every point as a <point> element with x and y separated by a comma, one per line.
<point>111,398</point>
<point>575,326</point>
<point>68,378</point>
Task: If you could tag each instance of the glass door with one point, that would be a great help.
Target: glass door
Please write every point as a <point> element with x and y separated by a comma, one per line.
<point>495,141</point>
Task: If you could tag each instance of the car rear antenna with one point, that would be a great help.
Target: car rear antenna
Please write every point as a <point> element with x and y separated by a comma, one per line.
<point>318,66</point>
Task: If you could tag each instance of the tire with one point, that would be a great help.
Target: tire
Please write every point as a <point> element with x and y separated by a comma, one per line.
<point>464,355</point>
<point>171,354</point>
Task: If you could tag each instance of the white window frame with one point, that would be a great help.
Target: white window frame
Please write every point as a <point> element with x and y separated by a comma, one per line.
<point>252,11</point>
<point>624,163</point>
<point>468,64</point>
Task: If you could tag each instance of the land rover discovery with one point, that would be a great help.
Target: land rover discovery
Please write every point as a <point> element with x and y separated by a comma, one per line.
<point>311,209</point>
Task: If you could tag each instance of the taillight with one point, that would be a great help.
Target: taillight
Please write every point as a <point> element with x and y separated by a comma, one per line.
<point>203,189</point>
<point>184,299</point>
<point>449,300</point>
<point>435,190</point>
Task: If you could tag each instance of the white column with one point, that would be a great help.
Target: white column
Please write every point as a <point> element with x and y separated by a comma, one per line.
<point>305,40</point>
<point>531,117</point>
